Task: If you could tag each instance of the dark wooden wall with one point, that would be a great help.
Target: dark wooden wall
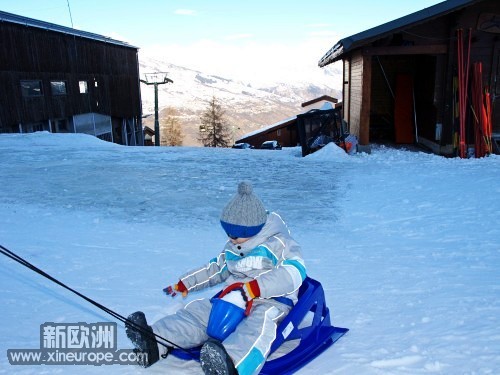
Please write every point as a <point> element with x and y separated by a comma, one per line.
<point>286,135</point>
<point>30,53</point>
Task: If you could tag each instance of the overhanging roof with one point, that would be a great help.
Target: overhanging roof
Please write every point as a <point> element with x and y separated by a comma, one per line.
<point>328,98</point>
<point>269,128</point>
<point>352,42</point>
<point>21,20</point>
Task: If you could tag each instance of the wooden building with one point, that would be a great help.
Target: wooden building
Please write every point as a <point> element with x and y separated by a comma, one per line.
<point>400,78</point>
<point>60,79</point>
<point>286,131</point>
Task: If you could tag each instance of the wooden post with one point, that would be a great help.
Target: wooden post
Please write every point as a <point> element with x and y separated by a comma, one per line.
<point>364,123</point>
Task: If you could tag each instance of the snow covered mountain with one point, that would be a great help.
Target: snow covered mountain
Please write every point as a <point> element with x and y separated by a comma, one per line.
<point>248,107</point>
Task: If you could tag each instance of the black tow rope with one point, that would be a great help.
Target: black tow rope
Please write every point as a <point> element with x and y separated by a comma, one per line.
<point>163,341</point>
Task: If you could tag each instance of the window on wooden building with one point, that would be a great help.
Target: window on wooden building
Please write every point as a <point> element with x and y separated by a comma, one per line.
<point>31,88</point>
<point>84,89</point>
<point>58,87</point>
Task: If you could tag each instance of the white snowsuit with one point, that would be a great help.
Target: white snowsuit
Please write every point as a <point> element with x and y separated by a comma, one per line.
<point>273,258</point>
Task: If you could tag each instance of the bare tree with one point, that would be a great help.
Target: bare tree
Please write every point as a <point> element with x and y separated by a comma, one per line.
<point>171,131</point>
<point>214,130</point>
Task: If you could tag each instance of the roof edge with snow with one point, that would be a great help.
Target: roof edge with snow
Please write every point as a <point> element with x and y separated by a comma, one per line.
<point>348,44</point>
<point>31,22</point>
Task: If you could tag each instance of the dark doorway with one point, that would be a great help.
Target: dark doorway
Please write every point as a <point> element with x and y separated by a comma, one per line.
<point>402,98</point>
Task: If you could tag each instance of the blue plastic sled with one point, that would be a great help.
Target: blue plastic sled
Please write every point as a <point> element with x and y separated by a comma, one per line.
<point>314,338</point>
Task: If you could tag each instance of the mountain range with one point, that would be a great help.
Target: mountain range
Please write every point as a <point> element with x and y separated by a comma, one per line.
<point>247,107</point>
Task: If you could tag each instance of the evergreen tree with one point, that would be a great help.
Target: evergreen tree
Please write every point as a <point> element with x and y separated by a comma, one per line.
<point>171,131</point>
<point>214,130</point>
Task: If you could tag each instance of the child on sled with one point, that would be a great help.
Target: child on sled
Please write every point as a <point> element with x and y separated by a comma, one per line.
<point>262,263</point>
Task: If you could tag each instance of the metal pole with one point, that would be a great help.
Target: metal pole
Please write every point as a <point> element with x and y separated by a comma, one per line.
<point>385,77</point>
<point>157,122</point>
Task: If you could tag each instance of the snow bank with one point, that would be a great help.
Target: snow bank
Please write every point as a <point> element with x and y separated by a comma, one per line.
<point>327,153</point>
<point>43,139</point>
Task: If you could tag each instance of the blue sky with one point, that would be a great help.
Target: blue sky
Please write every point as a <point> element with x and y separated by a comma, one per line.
<point>236,38</point>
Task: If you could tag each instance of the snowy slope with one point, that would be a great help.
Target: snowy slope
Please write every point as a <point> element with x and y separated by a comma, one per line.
<point>406,245</point>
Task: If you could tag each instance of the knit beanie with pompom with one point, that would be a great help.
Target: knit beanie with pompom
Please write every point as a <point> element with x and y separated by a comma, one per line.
<point>245,215</point>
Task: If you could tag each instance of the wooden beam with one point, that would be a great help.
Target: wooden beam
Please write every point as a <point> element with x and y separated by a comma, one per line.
<point>431,49</point>
<point>346,78</point>
<point>364,121</point>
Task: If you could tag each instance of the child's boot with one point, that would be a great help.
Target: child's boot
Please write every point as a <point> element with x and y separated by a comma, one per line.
<point>143,339</point>
<point>215,360</point>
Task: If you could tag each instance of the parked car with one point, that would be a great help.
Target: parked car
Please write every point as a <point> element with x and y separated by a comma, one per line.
<point>242,145</point>
<point>271,145</point>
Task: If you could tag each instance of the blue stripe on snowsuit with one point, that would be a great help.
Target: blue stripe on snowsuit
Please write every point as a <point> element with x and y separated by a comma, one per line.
<point>298,265</point>
<point>251,362</point>
<point>215,260</point>
<point>259,251</point>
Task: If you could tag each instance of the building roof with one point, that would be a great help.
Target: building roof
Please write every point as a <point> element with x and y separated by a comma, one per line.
<point>21,20</point>
<point>275,126</point>
<point>290,120</point>
<point>323,97</point>
<point>352,42</point>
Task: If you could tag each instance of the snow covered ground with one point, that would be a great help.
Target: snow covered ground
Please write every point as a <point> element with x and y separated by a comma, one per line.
<point>406,245</point>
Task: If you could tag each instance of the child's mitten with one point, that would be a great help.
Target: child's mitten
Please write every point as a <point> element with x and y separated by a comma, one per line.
<point>249,290</point>
<point>172,290</point>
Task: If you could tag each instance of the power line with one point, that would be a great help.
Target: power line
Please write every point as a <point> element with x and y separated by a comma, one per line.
<point>70,17</point>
